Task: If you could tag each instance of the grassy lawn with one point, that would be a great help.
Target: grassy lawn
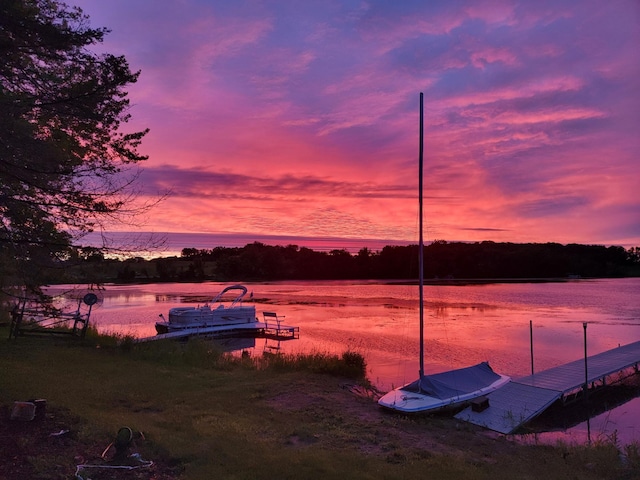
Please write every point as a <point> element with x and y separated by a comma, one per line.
<point>207,415</point>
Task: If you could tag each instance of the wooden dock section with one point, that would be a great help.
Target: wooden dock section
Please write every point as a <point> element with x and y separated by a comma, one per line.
<point>274,329</point>
<point>524,399</point>
<point>280,332</point>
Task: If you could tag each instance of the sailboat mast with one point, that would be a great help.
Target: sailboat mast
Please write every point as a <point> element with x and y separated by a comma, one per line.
<point>421,245</point>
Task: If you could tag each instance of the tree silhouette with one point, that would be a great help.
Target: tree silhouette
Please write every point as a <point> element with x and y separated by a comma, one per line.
<point>66,166</point>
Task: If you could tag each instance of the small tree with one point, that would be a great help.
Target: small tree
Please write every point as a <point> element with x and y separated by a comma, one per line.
<point>66,167</point>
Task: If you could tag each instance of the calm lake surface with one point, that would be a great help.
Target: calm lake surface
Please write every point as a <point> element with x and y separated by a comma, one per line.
<point>463,325</point>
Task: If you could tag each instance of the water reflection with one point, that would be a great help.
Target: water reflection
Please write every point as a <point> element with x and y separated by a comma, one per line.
<point>609,415</point>
<point>233,344</point>
<point>464,324</point>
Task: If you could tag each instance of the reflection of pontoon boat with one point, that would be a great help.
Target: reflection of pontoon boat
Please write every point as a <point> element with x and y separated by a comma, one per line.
<point>213,316</point>
<point>446,390</point>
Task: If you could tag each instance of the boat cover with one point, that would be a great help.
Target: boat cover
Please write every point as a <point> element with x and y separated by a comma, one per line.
<point>455,382</point>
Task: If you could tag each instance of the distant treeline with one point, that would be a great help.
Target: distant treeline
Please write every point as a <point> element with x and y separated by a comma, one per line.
<point>442,260</point>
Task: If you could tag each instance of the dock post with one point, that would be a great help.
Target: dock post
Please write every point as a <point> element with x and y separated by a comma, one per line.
<point>586,383</point>
<point>586,373</point>
<point>531,342</point>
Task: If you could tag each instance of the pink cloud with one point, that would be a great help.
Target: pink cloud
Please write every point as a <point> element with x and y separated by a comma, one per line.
<point>303,121</point>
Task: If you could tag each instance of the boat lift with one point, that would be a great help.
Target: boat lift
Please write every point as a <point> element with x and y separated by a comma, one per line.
<point>42,321</point>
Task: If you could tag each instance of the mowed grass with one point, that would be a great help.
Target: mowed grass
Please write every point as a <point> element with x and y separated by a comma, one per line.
<point>285,417</point>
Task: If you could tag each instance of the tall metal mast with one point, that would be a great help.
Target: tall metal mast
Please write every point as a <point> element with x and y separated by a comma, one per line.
<point>421,246</point>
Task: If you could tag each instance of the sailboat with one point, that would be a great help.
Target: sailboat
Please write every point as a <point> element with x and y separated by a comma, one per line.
<point>448,390</point>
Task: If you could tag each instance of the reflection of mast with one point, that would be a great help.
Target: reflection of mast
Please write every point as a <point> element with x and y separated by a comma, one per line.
<point>421,243</point>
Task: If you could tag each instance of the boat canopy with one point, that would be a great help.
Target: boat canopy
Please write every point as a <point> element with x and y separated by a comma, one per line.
<point>455,382</point>
<point>238,299</point>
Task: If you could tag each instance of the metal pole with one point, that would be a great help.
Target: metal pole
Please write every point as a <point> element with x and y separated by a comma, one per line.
<point>531,342</point>
<point>420,253</point>
<point>586,382</point>
<point>586,374</point>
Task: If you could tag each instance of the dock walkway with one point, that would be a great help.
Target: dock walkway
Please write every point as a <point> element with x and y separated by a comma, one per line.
<point>521,400</point>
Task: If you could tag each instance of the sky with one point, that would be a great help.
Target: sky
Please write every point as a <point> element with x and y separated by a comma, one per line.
<point>291,122</point>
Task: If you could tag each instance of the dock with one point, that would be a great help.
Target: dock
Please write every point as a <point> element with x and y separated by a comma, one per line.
<point>523,399</point>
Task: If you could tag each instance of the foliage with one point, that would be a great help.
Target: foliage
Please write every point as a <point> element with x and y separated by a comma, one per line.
<point>202,353</point>
<point>632,455</point>
<point>348,365</point>
<point>65,165</point>
<point>443,262</point>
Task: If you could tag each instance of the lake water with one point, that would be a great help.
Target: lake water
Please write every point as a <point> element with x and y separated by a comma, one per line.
<point>463,325</point>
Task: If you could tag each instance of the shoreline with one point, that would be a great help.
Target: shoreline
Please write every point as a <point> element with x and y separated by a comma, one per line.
<point>196,407</point>
<point>427,281</point>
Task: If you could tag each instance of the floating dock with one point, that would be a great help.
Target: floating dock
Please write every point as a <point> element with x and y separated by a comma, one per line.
<point>521,400</point>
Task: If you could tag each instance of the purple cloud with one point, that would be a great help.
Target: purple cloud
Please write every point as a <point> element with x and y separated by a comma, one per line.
<point>531,114</point>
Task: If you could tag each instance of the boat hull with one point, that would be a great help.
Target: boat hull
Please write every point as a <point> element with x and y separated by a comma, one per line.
<point>205,316</point>
<point>182,318</point>
<point>223,322</point>
<point>167,329</point>
<point>407,401</point>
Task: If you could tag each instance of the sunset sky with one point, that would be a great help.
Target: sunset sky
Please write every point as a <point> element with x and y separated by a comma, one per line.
<point>289,121</point>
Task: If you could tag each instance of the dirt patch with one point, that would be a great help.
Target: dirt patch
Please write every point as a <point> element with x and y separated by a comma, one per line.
<point>52,447</point>
<point>345,415</point>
